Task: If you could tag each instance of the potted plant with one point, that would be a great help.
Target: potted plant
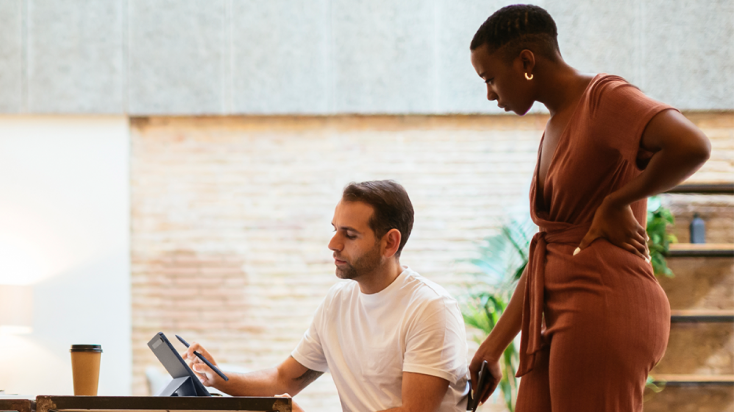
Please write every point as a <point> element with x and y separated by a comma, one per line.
<point>659,218</point>
<point>501,260</point>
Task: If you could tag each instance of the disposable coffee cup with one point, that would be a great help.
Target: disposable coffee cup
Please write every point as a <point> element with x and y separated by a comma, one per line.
<point>85,361</point>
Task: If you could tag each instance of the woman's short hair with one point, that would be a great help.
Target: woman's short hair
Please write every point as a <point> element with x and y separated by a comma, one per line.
<point>391,205</point>
<point>518,27</point>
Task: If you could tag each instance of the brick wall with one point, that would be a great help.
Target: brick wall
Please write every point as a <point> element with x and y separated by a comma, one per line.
<point>231,216</point>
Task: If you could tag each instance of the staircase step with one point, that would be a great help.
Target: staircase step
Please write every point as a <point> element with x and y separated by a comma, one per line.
<point>701,250</point>
<point>700,283</point>
<point>701,348</point>
<point>702,315</point>
<point>681,379</point>
<point>709,188</point>
<point>691,397</point>
<point>697,370</point>
<point>717,211</point>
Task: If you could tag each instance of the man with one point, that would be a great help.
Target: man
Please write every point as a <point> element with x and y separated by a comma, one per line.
<point>391,339</point>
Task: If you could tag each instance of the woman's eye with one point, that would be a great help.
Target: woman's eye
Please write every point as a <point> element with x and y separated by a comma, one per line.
<point>489,81</point>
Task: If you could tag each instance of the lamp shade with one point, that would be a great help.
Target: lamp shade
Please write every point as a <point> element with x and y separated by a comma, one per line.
<point>16,309</point>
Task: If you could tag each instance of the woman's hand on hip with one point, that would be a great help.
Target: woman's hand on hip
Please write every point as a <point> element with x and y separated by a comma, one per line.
<point>617,224</point>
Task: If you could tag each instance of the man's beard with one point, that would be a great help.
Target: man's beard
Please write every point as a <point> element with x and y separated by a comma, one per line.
<point>364,264</point>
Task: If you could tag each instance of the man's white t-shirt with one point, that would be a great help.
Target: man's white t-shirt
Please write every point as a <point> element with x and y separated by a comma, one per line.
<point>368,341</point>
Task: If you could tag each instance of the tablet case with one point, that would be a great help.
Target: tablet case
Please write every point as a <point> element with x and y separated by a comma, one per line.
<point>185,382</point>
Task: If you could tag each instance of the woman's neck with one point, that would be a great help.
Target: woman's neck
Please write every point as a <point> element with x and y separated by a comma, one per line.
<point>562,85</point>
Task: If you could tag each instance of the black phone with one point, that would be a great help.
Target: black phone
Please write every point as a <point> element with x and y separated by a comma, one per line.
<point>483,378</point>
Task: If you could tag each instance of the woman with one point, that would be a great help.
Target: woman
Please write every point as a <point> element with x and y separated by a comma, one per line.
<point>594,320</point>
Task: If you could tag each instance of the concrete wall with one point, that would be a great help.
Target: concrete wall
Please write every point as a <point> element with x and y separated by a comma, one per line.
<point>193,57</point>
<point>65,231</point>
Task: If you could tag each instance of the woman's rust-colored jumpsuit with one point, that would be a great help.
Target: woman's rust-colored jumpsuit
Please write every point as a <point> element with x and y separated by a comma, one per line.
<point>594,324</point>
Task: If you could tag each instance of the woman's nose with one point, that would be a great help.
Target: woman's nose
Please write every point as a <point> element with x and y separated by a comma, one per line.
<point>491,95</point>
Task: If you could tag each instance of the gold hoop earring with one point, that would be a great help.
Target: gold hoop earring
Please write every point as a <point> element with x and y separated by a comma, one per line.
<point>528,77</point>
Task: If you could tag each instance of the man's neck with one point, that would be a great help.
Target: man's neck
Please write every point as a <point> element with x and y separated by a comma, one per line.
<point>381,278</point>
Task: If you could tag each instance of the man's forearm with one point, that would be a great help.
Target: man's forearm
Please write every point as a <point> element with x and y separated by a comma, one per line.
<point>290,377</point>
<point>259,383</point>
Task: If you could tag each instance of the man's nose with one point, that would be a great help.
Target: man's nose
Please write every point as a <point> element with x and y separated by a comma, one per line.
<point>334,244</point>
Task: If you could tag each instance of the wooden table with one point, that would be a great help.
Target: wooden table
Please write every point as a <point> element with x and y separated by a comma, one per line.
<point>147,403</point>
<point>19,405</point>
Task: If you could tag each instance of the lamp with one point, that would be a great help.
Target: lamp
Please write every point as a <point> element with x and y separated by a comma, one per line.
<point>16,309</point>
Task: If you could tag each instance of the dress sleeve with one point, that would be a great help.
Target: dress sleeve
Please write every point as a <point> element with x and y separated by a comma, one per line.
<point>435,344</point>
<point>310,352</point>
<point>621,112</point>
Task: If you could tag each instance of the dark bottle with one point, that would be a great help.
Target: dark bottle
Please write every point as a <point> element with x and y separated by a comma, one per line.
<point>698,229</point>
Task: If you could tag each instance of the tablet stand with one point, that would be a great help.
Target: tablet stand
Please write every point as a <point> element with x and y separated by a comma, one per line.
<point>179,387</point>
<point>185,382</point>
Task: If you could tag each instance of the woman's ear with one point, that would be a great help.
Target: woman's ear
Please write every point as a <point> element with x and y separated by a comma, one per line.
<point>392,242</point>
<point>527,61</point>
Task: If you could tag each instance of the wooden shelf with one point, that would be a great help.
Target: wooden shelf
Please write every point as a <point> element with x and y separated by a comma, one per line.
<point>693,379</point>
<point>701,250</point>
<point>702,315</point>
<point>704,188</point>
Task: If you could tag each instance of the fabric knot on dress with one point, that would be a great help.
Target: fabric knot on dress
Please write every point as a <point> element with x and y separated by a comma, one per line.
<point>531,340</point>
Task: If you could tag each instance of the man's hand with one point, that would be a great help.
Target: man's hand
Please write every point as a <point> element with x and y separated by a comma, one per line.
<point>294,405</point>
<point>421,393</point>
<point>206,375</point>
<point>494,378</point>
<point>617,224</point>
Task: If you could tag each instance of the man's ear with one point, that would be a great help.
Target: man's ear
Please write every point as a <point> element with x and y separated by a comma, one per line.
<point>391,241</point>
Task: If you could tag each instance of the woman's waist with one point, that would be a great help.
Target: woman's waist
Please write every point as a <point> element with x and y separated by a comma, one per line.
<point>598,261</point>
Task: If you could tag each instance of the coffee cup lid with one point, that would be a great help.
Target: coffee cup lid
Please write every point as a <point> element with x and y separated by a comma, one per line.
<point>86,348</point>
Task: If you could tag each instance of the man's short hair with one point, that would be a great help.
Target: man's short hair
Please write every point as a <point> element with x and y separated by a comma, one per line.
<point>516,28</point>
<point>391,205</point>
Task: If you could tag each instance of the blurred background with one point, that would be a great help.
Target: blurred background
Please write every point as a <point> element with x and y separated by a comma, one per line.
<point>173,166</point>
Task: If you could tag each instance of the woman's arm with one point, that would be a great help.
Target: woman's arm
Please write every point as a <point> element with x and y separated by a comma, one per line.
<point>680,149</point>
<point>504,332</point>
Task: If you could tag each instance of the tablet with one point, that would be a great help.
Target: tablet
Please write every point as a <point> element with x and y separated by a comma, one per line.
<point>185,382</point>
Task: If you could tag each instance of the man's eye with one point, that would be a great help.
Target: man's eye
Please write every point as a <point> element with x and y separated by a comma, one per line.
<point>489,81</point>
<point>350,237</point>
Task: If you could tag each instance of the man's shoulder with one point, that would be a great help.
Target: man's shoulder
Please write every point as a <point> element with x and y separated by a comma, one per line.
<point>425,289</point>
<point>427,297</point>
<point>343,289</point>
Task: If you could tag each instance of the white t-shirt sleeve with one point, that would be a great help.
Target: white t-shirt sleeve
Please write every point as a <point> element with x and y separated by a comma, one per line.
<point>436,342</point>
<point>310,351</point>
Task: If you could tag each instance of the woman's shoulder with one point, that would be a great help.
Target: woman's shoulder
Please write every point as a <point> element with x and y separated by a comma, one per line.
<point>608,92</point>
<point>605,80</point>
<point>605,86</point>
